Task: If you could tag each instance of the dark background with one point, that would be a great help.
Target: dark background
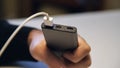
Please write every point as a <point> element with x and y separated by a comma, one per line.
<point>24,8</point>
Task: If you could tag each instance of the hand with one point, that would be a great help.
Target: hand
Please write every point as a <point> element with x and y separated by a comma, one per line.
<point>79,58</point>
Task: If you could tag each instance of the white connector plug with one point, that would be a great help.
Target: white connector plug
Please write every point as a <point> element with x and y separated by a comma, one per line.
<point>48,21</point>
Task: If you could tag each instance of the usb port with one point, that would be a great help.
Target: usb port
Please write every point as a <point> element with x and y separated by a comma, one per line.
<point>70,28</point>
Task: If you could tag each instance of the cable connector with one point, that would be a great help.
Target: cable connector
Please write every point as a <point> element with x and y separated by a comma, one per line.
<point>48,21</point>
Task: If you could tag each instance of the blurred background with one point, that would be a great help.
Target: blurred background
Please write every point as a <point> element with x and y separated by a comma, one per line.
<point>23,8</point>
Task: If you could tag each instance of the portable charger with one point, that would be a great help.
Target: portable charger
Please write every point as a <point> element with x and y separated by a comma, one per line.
<point>60,37</point>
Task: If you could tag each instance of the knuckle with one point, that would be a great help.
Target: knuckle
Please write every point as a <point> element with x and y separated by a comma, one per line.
<point>87,49</point>
<point>76,58</point>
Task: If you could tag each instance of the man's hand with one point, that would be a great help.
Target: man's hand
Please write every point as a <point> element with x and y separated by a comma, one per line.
<point>79,58</point>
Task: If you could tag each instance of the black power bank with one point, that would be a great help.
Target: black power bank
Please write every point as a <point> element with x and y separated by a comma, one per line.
<point>60,37</point>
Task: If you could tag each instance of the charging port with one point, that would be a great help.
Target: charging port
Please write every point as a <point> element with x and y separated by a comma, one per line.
<point>69,28</point>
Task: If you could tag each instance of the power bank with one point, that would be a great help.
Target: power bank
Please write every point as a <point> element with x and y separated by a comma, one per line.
<point>60,37</point>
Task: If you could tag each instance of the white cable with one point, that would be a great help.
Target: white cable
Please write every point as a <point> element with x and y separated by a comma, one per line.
<point>18,28</point>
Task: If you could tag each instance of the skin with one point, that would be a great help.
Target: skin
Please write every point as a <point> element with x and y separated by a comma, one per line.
<point>79,58</point>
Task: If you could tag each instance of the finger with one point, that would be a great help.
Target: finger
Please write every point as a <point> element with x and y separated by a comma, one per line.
<point>85,63</point>
<point>78,54</point>
<point>40,52</point>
